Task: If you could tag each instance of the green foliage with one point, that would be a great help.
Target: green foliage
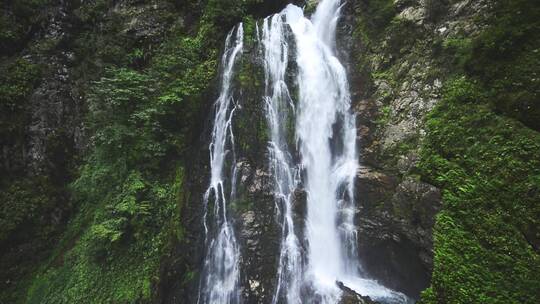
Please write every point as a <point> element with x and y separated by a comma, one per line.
<point>384,115</point>
<point>102,40</point>
<point>112,249</point>
<point>18,18</point>
<point>504,58</point>
<point>129,190</point>
<point>375,16</point>
<point>27,221</point>
<point>104,235</point>
<point>27,204</point>
<point>464,90</point>
<point>241,205</point>
<point>91,11</point>
<point>127,278</point>
<point>250,125</point>
<point>115,257</point>
<point>250,34</point>
<point>485,236</point>
<point>22,203</point>
<point>143,102</point>
<point>17,80</point>
<point>382,39</point>
<point>185,67</point>
<point>460,49</point>
<point>228,13</point>
<point>403,37</point>
<point>125,120</point>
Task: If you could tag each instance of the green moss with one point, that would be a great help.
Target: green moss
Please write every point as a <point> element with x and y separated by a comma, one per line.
<point>486,237</point>
<point>26,222</point>
<point>227,14</point>
<point>372,20</point>
<point>81,280</point>
<point>504,57</point>
<point>129,190</point>
<point>91,11</point>
<point>27,203</point>
<point>404,37</point>
<point>18,78</point>
<point>486,166</point>
<point>114,256</point>
<point>250,35</point>
<point>391,155</point>
<point>17,20</point>
<point>374,17</point>
<point>385,115</point>
<point>459,49</point>
<point>22,201</point>
<point>241,205</point>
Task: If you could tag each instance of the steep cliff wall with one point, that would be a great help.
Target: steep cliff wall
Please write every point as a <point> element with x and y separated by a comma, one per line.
<point>446,97</point>
<point>101,104</point>
<point>105,116</point>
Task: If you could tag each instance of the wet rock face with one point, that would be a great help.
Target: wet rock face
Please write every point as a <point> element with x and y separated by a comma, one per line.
<point>395,222</point>
<point>299,209</point>
<point>258,232</point>
<point>52,132</point>
<point>396,210</point>
<point>56,106</point>
<point>56,116</point>
<point>349,296</point>
<point>141,21</point>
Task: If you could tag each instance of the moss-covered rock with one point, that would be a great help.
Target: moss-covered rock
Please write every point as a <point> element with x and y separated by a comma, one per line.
<point>455,138</point>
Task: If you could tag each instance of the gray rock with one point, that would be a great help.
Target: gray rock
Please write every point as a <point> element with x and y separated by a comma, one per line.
<point>413,14</point>
<point>395,223</point>
<point>349,296</point>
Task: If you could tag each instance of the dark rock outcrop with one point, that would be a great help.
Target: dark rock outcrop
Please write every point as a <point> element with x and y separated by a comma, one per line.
<point>349,296</point>
<point>258,232</point>
<point>395,222</point>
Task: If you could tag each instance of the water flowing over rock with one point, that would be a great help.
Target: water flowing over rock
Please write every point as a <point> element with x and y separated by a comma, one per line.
<point>221,267</point>
<point>312,161</point>
<point>280,108</point>
<point>269,151</point>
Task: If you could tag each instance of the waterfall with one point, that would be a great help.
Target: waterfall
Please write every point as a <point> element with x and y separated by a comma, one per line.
<point>279,108</point>
<point>326,139</point>
<point>324,143</point>
<point>323,118</point>
<point>325,132</point>
<point>221,273</point>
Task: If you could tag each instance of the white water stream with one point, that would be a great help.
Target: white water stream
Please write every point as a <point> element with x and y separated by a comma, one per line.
<point>279,109</point>
<point>221,272</point>
<point>325,141</point>
<point>323,100</point>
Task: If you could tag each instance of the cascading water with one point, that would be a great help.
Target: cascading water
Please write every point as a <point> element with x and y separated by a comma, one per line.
<point>323,102</point>
<point>221,268</point>
<point>326,139</point>
<point>279,108</point>
<point>325,134</point>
